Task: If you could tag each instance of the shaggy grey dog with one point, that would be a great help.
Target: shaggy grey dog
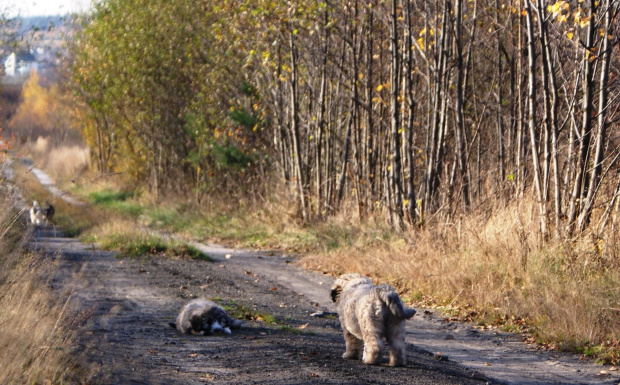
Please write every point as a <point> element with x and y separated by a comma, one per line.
<point>200,315</point>
<point>369,313</point>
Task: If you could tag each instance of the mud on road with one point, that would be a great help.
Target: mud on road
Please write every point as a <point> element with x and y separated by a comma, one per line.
<point>122,307</point>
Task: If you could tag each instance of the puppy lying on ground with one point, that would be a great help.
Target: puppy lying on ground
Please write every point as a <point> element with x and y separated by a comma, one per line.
<point>200,315</point>
<point>369,313</point>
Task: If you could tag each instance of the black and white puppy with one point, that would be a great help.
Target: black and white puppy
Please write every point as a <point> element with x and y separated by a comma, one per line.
<point>203,316</point>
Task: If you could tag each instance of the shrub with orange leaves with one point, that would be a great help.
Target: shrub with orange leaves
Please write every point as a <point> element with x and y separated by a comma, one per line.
<point>5,145</point>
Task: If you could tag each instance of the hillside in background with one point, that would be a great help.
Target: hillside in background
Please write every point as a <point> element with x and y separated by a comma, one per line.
<point>38,42</point>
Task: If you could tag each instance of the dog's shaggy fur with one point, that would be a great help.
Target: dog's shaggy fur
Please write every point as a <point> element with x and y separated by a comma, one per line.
<point>200,315</point>
<point>369,313</point>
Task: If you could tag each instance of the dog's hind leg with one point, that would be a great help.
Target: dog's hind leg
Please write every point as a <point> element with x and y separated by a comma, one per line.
<point>396,342</point>
<point>372,350</point>
<point>373,342</point>
<point>354,346</point>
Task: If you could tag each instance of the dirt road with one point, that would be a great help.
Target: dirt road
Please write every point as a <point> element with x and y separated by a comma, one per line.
<point>121,308</point>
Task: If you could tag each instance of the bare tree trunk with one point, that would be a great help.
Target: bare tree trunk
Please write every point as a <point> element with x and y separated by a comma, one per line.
<point>581,174</point>
<point>550,94</point>
<point>411,202</point>
<point>599,152</point>
<point>356,54</point>
<point>297,161</point>
<point>371,162</point>
<point>498,116</point>
<point>345,158</point>
<point>281,135</point>
<point>521,155</point>
<point>395,174</point>
<point>531,52</point>
<point>460,124</point>
<point>432,165</point>
<point>321,118</point>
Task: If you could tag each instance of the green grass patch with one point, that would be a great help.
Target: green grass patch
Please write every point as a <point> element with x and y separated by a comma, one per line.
<point>290,329</point>
<point>601,354</point>
<point>72,225</point>
<point>138,245</point>
<point>241,227</point>
<point>243,312</point>
<point>169,218</point>
<point>118,201</point>
<point>106,197</point>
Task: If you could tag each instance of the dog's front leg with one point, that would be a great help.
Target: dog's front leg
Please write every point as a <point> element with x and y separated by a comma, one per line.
<point>353,345</point>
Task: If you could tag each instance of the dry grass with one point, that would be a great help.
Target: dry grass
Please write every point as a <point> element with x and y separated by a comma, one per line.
<point>494,269</point>
<point>68,162</point>
<point>63,163</point>
<point>35,346</point>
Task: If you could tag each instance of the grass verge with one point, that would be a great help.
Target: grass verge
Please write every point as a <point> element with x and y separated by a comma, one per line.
<point>36,345</point>
<point>129,241</point>
<point>109,221</point>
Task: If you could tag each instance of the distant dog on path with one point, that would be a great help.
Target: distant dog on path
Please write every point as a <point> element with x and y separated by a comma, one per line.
<point>369,313</point>
<point>36,216</point>
<point>200,315</point>
<point>40,214</point>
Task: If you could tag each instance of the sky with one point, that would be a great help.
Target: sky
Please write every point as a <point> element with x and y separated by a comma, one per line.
<point>27,8</point>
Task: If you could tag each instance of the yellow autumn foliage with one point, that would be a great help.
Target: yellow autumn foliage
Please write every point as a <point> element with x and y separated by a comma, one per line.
<point>40,112</point>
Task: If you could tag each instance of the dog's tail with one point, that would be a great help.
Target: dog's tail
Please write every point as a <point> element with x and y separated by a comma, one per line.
<point>391,299</point>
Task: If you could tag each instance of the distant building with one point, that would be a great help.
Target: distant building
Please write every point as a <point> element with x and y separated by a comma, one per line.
<point>10,64</point>
<point>19,64</point>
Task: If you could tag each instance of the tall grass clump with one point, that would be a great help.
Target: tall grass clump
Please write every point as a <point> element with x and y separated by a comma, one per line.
<point>35,344</point>
<point>122,236</point>
<point>493,267</point>
<point>63,162</point>
<point>68,162</point>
